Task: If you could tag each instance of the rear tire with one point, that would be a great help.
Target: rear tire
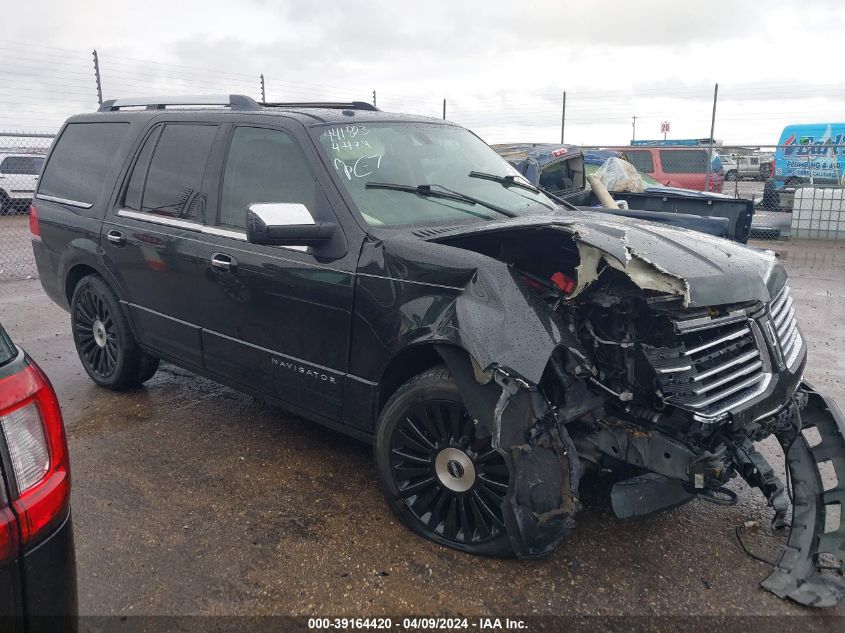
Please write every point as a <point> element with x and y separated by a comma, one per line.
<point>731,176</point>
<point>104,342</point>
<point>439,478</point>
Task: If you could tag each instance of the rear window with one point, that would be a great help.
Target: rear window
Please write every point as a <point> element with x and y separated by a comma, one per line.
<point>640,159</point>
<point>7,351</point>
<point>683,161</point>
<point>562,176</point>
<point>82,157</point>
<point>22,165</point>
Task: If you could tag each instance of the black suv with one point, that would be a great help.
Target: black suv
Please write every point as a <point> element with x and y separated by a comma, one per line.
<point>392,277</point>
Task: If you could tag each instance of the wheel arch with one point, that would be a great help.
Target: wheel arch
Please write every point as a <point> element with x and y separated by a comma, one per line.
<point>76,273</point>
<point>404,365</point>
<point>78,270</point>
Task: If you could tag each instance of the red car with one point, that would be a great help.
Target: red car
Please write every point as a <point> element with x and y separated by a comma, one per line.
<point>683,167</point>
<point>37,560</point>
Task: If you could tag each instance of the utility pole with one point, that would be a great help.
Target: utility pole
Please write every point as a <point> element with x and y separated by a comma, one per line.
<point>263,93</point>
<point>633,128</point>
<point>563,117</point>
<point>97,78</point>
<point>712,131</point>
<point>444,109</point>
<point>374,99</point>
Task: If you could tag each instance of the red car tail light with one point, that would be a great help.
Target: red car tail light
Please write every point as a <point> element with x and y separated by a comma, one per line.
<point>34,227</point>
<point>31,424</point>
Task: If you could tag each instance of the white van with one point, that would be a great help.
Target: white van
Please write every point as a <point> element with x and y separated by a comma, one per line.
<point>18,179</point>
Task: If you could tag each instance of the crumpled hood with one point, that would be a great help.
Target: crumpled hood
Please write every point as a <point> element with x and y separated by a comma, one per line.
<point>705,270</point>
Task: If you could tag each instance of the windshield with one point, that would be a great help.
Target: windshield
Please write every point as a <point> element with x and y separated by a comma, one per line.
<point>414,154</point>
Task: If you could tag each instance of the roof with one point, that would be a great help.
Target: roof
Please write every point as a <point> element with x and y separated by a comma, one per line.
<point>306,113</point>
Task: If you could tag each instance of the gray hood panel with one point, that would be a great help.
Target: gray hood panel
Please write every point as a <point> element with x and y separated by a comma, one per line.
<point>714,271</point>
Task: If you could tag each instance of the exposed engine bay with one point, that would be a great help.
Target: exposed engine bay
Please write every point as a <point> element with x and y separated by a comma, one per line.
<point>637,372</point>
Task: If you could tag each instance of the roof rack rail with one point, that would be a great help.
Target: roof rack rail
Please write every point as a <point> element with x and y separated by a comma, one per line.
<point>332,105</point>
<point>235,102</point>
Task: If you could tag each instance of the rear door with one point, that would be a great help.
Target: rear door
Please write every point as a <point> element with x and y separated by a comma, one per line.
<point>276,319</point>
<point>149,239</point>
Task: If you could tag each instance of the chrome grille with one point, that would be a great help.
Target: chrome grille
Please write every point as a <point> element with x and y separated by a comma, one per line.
<point>782,312</point>
<point>712,370</point>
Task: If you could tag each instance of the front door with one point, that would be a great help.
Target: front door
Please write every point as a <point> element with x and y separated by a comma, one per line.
<point>275,319</point>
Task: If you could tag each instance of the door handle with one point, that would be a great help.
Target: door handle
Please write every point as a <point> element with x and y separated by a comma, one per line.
<point>224,262</point>
<point>116,237</point>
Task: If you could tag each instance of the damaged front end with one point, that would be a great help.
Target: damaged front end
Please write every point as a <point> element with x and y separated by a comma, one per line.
<point>580,349</point>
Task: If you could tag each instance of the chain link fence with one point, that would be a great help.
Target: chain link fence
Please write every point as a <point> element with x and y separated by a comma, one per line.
<point>21,159</point>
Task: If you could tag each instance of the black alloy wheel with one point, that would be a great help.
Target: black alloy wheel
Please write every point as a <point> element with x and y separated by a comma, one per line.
<point>443,481</point>
<point>105,344</point>
<point>96,334</point>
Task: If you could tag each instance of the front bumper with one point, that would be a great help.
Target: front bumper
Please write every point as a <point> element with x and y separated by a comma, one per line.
<point>807,570</point>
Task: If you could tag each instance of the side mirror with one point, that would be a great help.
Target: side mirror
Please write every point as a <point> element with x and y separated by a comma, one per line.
<point>285,224</point>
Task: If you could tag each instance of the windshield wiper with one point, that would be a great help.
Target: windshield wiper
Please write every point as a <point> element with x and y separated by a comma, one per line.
<point>511,181</point>
<point>448,194</point>
<point>507,181</point>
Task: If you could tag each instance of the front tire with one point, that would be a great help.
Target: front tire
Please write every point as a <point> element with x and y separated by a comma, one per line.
<point>105,344</point>
<point>440,479</point>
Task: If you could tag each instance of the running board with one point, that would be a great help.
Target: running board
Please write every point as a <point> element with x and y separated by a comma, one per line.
<point>817,537</point>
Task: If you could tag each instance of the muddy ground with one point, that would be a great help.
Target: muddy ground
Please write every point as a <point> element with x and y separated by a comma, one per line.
<point>189,498</point>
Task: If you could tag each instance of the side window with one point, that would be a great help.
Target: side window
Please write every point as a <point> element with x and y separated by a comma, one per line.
<point>132,199</point>
<point>642,160</point>
<point>683,161</point>
<point>173,185</point>
<point>21,165</point>
<point>83,155</point>
<point>264,166</point>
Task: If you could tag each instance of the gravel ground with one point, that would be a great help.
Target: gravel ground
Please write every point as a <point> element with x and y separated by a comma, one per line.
<point>190,498</point>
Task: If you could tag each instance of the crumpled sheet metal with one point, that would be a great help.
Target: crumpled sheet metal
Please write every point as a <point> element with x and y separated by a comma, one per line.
<point>500,322</point>
<point>721,272</point>
<point>542,498</point>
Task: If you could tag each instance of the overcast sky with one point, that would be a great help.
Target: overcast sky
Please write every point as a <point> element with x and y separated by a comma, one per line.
<point>502,66</point>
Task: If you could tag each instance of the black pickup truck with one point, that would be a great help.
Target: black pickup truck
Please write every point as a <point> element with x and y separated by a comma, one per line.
<point>562,170</point>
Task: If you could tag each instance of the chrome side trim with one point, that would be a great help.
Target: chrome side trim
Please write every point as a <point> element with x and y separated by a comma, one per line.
<point>196,227</point>
<point>164,221</point>
<point>70,203</point>
<point>213,230</point>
